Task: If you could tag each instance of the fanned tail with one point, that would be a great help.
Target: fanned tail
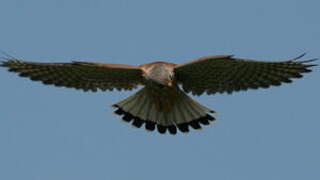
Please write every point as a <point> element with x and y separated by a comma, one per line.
<point>141,108</point>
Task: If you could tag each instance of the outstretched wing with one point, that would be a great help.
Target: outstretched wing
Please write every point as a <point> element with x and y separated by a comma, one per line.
<point>213,74</point>
<point>79,75</point>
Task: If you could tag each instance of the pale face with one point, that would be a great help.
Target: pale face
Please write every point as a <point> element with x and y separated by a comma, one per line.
<point>160,73</point>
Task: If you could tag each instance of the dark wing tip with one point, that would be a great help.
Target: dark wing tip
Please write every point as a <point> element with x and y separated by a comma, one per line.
<point>296,59</point>
<point>299,57</point>
<point>308,61</point>
<point>7,63</point>
<point>304,63</point>
<point>11,64</point>
<point>2,63</point>
<point>6,59</point>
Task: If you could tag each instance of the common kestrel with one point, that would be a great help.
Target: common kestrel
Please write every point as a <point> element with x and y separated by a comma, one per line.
<point>161,103</point>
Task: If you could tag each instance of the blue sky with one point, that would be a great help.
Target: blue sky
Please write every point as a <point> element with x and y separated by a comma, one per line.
<point>58,133</point>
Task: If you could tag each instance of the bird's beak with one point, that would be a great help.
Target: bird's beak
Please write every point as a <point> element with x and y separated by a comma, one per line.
<point>169,83</point>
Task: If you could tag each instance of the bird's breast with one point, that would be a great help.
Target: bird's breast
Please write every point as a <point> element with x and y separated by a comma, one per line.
<point>159,73</point>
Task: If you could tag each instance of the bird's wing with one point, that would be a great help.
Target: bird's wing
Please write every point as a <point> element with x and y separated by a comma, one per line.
<point>213,74</point>
<point>80,75</point>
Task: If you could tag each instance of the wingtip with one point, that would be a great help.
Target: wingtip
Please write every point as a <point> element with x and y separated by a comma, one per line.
<point>304,62</point>
<point>299,57</point>
<point>309,60</point>
<point>307,65</point>
<point>5,58</point>
<point>3,63</point>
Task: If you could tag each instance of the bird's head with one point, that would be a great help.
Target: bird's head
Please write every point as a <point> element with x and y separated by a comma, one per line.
<point>160,73</point>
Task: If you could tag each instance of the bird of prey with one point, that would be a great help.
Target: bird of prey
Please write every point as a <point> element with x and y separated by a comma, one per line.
<point>163,103</point>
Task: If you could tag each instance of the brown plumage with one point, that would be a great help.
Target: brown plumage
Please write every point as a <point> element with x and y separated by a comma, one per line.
<point>161,104</point>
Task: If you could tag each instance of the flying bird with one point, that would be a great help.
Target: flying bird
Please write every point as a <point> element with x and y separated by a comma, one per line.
<point>163,103</point>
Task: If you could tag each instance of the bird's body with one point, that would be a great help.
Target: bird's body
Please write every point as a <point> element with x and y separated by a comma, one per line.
<point>161,104</point>
<point>161,73</point>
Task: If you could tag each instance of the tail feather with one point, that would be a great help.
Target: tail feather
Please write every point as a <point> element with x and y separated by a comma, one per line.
<point>141,109</point>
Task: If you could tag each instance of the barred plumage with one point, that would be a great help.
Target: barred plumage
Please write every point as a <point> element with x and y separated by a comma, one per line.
<point>224,74</point>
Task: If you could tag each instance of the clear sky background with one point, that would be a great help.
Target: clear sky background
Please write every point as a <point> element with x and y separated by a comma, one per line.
<point>49,133</point>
